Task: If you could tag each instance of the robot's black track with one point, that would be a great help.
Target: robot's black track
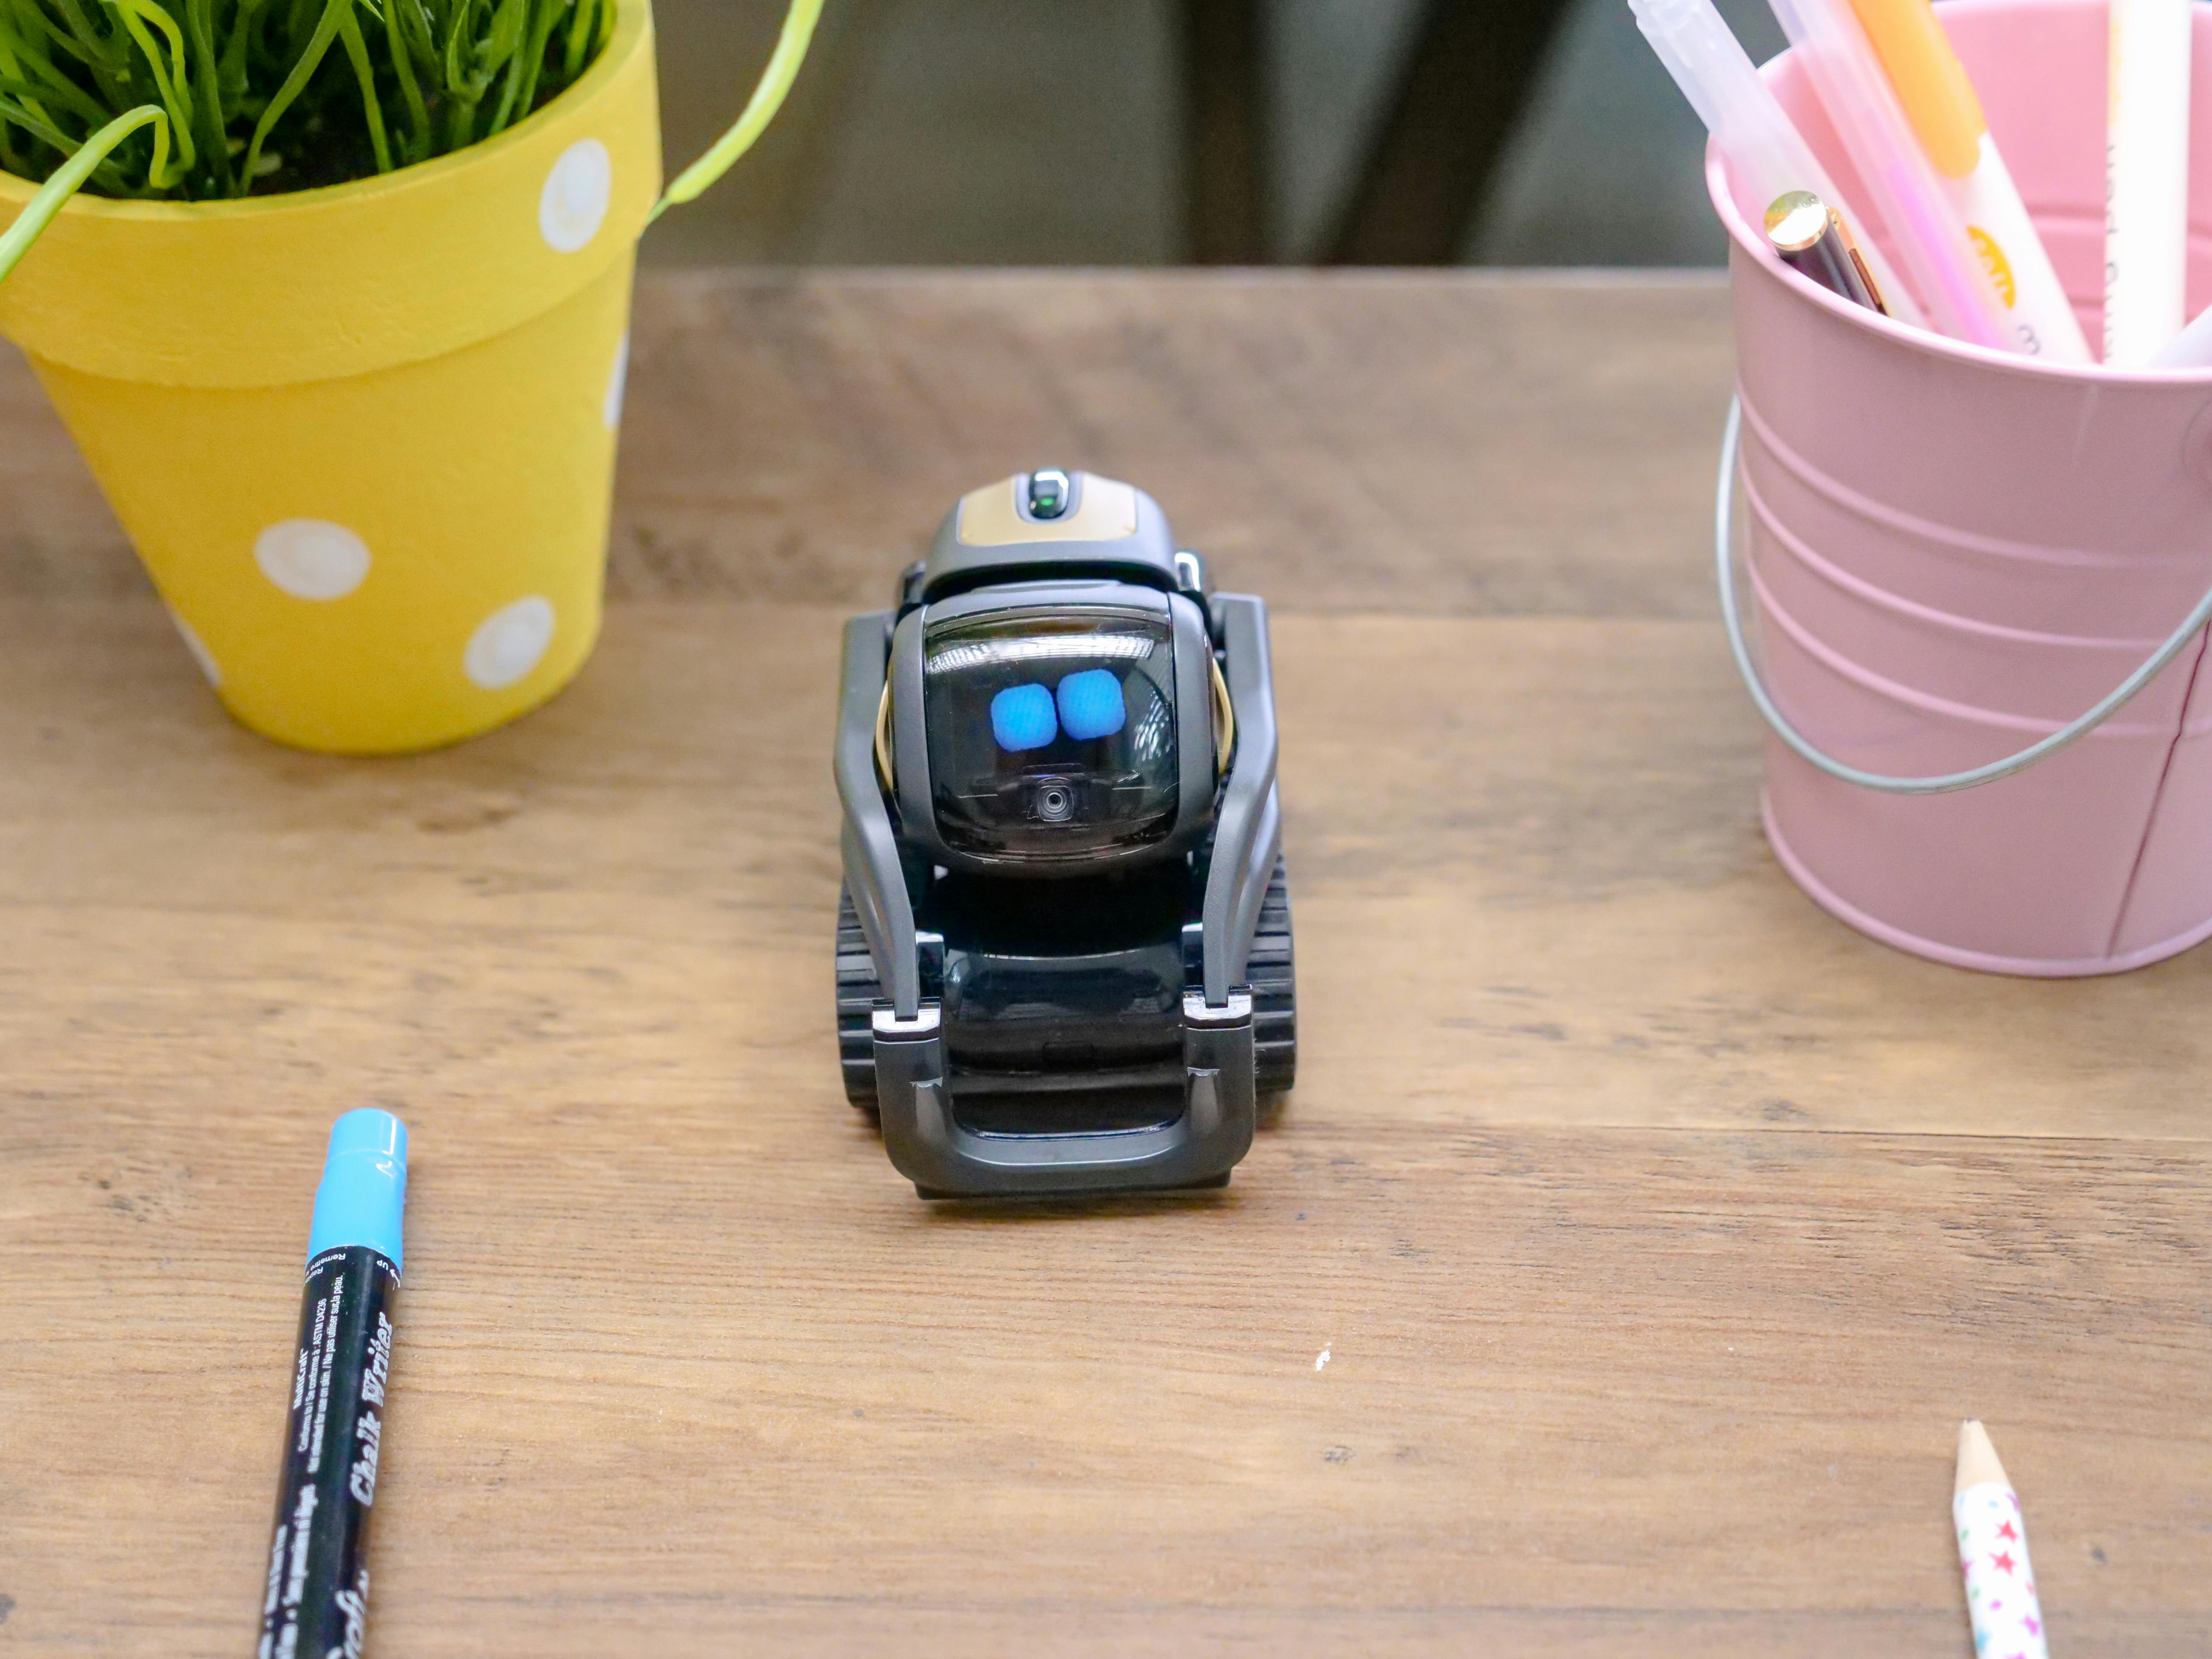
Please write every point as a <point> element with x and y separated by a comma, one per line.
<point>857,991</point>
<point>1272,970</point>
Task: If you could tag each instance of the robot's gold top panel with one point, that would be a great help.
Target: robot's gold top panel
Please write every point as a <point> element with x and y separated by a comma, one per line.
<point>992,517</point>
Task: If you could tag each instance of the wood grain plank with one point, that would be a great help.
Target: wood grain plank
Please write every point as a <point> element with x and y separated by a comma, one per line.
<point>1658,1227</point>
<point>1594,1378</point>
<point>1391,442</point>
<point>1526,861</point>
<point>1467,443</point>
<point>684,1373</point>
<point>57,540</point>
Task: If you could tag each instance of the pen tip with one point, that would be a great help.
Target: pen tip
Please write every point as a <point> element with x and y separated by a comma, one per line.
<point>1977,1458</point>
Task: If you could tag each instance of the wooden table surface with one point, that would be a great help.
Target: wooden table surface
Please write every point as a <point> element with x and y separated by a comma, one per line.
<point>1657,1229</point>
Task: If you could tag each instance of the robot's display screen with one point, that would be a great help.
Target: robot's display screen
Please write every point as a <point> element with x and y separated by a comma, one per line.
<point>1051,736</point>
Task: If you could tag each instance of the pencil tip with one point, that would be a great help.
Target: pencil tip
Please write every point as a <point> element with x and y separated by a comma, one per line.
<point>1977,1458</point>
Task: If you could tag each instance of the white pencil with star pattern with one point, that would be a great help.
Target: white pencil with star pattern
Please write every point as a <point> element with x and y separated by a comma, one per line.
<point>2000,1601</point>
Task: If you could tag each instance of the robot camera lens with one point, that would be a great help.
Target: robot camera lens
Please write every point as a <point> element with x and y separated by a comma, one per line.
<point>1052,800</point>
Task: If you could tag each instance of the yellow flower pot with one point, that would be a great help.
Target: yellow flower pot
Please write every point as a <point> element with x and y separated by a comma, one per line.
<point>363,438</point>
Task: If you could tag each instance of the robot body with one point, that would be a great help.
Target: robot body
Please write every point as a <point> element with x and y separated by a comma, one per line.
<point>1064,948</point>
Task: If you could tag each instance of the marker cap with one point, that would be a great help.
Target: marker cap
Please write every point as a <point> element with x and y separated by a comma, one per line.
<point>1796,221</point>
<point>364,1187</point>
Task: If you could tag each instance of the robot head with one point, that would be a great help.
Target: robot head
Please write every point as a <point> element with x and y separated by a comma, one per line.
<point>1052,733</point>
<point>1053,705</point>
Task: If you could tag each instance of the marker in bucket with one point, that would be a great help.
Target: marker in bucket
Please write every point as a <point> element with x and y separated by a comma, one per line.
<point>1809,237</point>
<point>2191,348</point>
<point>2146,178</point>
<point>1924,220</point>
<point>317,1600</point>
<point>1946,117</point>
<point>1762,145</point>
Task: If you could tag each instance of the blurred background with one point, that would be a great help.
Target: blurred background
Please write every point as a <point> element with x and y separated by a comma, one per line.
<point>1150,132</point>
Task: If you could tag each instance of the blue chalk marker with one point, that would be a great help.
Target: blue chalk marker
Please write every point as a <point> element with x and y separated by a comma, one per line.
<point>317,1602</point>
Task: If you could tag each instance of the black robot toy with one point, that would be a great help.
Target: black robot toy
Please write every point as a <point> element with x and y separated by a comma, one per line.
<point>1064,945</point>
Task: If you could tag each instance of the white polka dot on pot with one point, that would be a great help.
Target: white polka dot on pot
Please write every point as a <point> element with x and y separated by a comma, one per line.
<point>311,558</point>
<point>572,205</point>
<point>198,647</point>
<point>509,643</point>
<point>613,408</point>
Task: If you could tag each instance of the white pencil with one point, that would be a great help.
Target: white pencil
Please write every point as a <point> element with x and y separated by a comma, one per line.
<point>1993,1553</point>
<point>2146,179</point>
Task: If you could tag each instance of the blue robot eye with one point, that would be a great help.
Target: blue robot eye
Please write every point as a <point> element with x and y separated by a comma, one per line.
<point>1022,717</point>
<point>1091,704</point>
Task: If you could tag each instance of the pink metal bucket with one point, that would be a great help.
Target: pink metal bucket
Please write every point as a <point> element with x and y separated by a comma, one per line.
<point>1958,555</point>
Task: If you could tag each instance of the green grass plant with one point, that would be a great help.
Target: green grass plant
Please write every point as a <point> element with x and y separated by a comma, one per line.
<point>253,97</point>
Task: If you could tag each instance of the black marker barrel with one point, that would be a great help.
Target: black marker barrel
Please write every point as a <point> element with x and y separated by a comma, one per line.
<point>315,1605</point>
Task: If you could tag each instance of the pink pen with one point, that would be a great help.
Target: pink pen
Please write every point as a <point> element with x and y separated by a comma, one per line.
<point>1926,233</point>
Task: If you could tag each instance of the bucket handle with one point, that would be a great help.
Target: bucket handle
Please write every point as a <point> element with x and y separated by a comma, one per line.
<point>1723,538</point>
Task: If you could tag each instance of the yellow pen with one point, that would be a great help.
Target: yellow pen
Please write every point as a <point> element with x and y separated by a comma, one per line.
<point>1939,102</point>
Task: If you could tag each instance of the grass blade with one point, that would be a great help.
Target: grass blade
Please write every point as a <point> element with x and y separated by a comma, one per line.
<point>357,50</point>
<point>69,177</point>
<point>760,109</point>
<point>335,12</point>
